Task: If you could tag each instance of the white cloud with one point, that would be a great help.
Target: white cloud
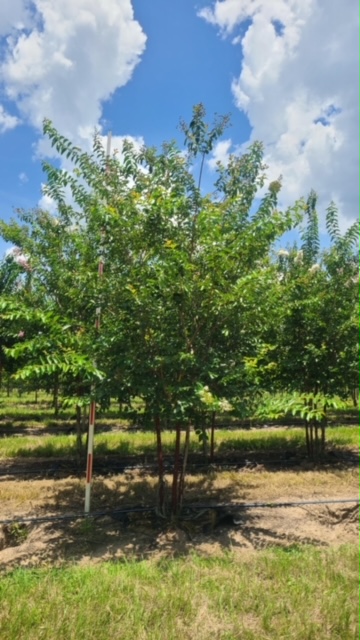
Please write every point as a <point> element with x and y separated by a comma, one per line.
<point>69,59</point>
<point>23,177</point>
<point>298,87</point>
<point>220,153</point>
<point>117,143</point>
<point>14,14</point>
<point>7,121</point>
<point>47,203</point>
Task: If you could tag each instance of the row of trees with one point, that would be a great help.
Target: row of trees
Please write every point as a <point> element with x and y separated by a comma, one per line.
<point>199,310</point>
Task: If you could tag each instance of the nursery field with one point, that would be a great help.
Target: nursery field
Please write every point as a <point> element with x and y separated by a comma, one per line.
<point>245,569</point>
<point>218,363</point>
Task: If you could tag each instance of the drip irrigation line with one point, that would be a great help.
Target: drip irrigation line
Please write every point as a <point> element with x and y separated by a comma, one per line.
<point>260,505</point>
<point>77,516</point>
<point>194,506</point>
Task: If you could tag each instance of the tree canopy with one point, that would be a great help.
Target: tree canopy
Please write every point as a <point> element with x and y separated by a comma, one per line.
<point>198,308</point>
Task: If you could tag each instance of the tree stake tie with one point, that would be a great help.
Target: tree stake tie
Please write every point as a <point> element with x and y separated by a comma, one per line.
<point>92,411</point>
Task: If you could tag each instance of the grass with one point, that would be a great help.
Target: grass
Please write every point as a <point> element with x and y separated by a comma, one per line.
<point>123,443</point>
<point>17,411</point>
<point>219,486</point>
<point>283,594</point>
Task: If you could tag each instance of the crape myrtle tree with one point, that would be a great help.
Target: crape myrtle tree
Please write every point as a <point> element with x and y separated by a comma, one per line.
<point>197,297</point>
<point>14,275</point>
<point>52,306</point>
<point>315,331</point>
<point>186,291</point>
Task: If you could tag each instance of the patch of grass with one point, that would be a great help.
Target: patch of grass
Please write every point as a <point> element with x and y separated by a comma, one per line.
<point>21,410</point>
<point>259,439</point>
<point>16,533</point>
<point>343,436</point>
<point>37,446</point>
<point>125,443</point>
<point>300,593</point>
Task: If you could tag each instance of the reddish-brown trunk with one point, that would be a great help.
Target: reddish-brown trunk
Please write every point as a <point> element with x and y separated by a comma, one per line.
<point>212,436</point>
<point>322,438</point>
<point>183,470</point>
<point>307,437</point>
<point>160,457</point>
<point>316,439</point>
<point>311,439</point>
<point>175,491</point>
<point>56,396</point>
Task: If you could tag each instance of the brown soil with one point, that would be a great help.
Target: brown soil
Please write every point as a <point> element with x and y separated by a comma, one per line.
<point>207,532</point>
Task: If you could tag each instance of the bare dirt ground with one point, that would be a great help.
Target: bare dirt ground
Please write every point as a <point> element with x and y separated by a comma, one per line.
<point>207,532</point>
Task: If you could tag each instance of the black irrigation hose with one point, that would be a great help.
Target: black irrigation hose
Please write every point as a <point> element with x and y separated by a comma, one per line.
<point>77,516</point>
<point>194,507</point>
<point>261,505</point>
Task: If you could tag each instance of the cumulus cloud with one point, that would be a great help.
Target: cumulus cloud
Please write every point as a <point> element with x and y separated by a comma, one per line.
<point>117,142</point>
<point>6,120</point>
<point>116,148</point>
<point>13,15</point>
<point>298,87</point>
<point>62,60</point>
<point>220,153</point>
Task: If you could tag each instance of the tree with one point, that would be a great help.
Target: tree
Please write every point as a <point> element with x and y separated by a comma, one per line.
<point>14,275</point>
<point>315,330</point>
<point>186,291</point>
<point>188,305</point>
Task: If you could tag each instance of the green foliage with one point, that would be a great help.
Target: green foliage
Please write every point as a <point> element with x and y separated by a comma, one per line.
<point>190,298</point>
<point>310,238</point>
<point>308,406</point>
<point>54,349</point>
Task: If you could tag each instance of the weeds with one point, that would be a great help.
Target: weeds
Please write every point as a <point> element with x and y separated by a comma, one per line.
<point>298,594</point>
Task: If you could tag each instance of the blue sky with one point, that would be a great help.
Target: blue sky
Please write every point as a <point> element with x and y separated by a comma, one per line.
<point>137,67</point>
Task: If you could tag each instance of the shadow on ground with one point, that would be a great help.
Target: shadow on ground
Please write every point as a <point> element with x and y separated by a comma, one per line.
<point>137,534</point>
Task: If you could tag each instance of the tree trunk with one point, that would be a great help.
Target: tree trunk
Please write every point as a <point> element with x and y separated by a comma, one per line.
<point>56,396</point>
<point>307,437</point>
<point>212,436</point>
<point>311,439</point>
<point>355,396</point>
<point>160,457</point>
<point>175,482</point>
<point>317,443</point>
<point>323,437</point>
<point>78,430</point>
<point>183,470</point>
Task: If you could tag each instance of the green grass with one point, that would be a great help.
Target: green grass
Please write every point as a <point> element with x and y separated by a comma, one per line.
<point>144,442</point>
<point>294,594</point>
<point>15,410</point>
<point>344,436</point>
